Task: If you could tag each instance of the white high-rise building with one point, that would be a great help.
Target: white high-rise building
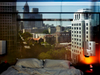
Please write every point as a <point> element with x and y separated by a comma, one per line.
<point>81,31</point>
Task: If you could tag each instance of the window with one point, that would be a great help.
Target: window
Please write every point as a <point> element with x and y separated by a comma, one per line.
<point>87,32</point>
<point>87,36</point>
<point>79,16</point>
<point>79,24</point>
<point>75,17</point>
<point>74,27</point>
<point>86,16</point>
<point>79,31</point>
<point>90,48</point>
<point>86,24</point>
<point>79,28</point>
<point>77,35</point>
<point>72,24</point>
<point>90,43</point>
<point>87,28</point>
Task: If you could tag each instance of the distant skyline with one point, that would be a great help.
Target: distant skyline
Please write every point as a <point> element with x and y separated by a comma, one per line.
<point>55,7</point>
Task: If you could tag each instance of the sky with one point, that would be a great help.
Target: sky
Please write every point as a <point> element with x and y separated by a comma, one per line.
<point>55,6</point>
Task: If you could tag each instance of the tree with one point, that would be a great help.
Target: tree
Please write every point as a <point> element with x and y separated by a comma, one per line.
<point>45,56</point>
<point>46,32</point>
<point>26,35</point>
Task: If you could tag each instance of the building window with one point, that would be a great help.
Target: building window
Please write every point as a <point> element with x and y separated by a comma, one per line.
<point>87,36</point>
<point>77,35</point>
<point>87,28</point>
<point>72,24</point>
<point>90,48</point>
<point>86,24</point>
<point>75,17</point>
<point>90,43</point>
<point>79,16</point>
<point>80,32</point>
<point>79,28</point>
<point>74,27</point>
<point>87,32</point>
<point>79,24</point>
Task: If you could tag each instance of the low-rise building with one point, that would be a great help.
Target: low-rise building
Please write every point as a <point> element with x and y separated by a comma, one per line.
<point>49,39</point>
<point>62,37</point>
<point>52,29</point>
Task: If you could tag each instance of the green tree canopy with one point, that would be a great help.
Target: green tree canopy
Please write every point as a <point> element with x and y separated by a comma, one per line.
<point>26,35</point>
<point>44,56</point>
<point>46,32</point>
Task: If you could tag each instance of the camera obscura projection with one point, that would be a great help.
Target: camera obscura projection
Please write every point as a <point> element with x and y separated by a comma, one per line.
<point>89,48</point>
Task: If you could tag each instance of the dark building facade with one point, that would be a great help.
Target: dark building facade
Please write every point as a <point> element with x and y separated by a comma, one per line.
<point>8,24</point>
<point>62,37</point>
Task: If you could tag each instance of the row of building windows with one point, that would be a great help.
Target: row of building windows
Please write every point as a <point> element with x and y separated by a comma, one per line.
<point>76,35</point>
<point>76,32</point>
<point>76,28</point>
<point>76,43</point>
<point>5,3</point>
<point>76,51</point>
<point>77,16</point>
<point>76,24</point>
